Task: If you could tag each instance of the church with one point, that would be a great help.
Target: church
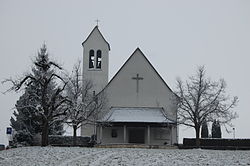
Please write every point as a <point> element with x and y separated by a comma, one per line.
<point>140,108</point>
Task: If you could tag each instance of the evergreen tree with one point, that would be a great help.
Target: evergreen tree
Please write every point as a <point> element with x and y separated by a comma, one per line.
<point>204,130</point>
<point>216,129</point>
<point>26,123</point>
<point>40,109</point>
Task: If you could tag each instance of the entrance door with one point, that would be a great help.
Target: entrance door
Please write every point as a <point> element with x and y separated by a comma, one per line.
<point>137,136</point>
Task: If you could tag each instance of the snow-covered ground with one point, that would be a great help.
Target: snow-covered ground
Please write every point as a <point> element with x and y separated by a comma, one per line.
<point>62,156</point>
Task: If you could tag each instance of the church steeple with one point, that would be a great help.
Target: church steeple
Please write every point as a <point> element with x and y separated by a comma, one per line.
<point>96,59</point>
<point>96,30</point>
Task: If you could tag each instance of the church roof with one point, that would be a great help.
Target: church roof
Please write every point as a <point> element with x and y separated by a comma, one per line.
<point>138,49</point>
<point>137,114</point>
<point>96,28</point>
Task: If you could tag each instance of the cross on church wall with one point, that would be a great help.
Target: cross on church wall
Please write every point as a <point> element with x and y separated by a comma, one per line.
<point>137,78</point>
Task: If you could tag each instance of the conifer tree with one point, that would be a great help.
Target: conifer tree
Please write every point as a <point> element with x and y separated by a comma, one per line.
<point>43,99</point>
<point>216,129</point>
<point>204,130</point>
<point>27,123</point>
<point>219,130</point>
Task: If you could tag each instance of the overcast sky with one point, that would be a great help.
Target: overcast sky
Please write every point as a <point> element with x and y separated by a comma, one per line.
<point>176,36</point>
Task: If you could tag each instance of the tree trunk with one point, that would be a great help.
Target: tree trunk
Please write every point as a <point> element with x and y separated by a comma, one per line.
<point>197,140</point>
<point>45,133</point>
<point>74,135</point>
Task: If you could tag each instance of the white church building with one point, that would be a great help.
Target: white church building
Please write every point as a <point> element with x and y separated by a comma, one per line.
<point>140,105</point>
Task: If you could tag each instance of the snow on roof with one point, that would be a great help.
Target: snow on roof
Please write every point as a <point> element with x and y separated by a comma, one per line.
<point>137,114</point>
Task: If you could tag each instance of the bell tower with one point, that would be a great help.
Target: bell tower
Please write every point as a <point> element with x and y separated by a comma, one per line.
<point>95,67</point>
<point>96,60</point>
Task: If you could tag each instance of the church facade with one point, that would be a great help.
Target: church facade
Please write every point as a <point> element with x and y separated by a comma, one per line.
<point>140,108</point>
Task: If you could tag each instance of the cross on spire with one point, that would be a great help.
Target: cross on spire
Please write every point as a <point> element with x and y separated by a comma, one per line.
<point>137,78</point>
<point>97,21</point>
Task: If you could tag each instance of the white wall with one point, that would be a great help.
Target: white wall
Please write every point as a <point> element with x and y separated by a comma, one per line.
<point>152,90</point>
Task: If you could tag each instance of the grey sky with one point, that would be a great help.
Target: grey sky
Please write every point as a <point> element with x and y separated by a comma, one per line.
<point>176,36</point>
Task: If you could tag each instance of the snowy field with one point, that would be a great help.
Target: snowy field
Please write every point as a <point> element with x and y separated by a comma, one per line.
<point>62,156</point>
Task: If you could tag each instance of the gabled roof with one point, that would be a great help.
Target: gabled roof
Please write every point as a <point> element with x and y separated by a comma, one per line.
<point>96,28</point>
<point>137,114</point>
<point>138,49</point>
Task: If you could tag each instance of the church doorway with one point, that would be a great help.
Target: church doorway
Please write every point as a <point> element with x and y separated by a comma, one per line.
<point>136,135</point>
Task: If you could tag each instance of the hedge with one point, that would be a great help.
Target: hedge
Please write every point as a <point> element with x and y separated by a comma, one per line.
<point>58,140</point>
<point>2,147</point>
<point>217,142</point>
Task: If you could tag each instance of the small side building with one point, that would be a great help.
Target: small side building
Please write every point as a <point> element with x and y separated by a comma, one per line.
<point>137,125</point>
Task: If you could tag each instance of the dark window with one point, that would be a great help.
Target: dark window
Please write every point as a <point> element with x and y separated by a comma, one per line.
<point>98,59</point>
<point>114,133</point>
<point>91,59</point>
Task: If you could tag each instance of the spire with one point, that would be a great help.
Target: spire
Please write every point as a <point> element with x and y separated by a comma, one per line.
<point>96,30</point>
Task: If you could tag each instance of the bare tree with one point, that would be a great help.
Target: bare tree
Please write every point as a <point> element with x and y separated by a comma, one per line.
<point>84,106</point>
<point>46,94</point>
<point>201,99</point>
